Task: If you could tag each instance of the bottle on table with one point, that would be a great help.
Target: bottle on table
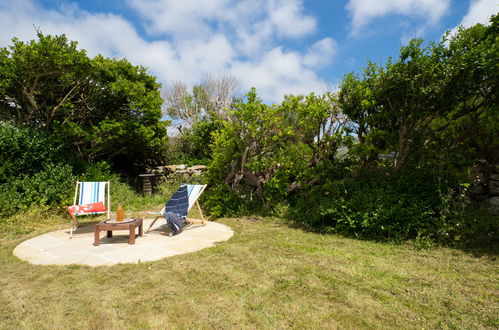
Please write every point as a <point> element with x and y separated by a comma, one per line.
<point>120,213</point>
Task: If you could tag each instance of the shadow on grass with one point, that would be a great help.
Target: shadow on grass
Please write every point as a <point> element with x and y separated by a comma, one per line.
<point>487,249</point>
<point>476,247</point>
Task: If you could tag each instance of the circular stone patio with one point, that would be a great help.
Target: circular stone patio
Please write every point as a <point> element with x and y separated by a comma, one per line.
<point>55,248</point>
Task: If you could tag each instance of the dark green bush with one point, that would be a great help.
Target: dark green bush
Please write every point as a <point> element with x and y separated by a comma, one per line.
<point>26,151</point>
<point>193,146</point>
<point>35,170</point>
<point>220,200</point>
<point>52,186</point>
<point>393,205</point>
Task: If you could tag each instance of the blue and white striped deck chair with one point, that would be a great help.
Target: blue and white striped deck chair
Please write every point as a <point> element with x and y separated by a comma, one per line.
<point>181,204</point>
<point>90,198</point>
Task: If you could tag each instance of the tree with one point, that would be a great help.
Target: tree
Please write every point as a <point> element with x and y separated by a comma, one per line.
<point>412,94</point>
<point>43,81</point>
<point>102,109</point>
<point>358,100</point>
<point>209,99</point>
<point>125,126</point>
<point>407,105</point>
<point>199,114</point>
<point>220,92</point>
<point>274,150</point>
<point>473,59</point>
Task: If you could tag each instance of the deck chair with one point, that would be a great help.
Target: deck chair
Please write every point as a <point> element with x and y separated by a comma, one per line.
<point>90,198</point>
<point>180,204</point>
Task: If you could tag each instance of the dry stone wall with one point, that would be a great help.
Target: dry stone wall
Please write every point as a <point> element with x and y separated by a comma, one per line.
<point>173,172</point>
<point>168,173</point>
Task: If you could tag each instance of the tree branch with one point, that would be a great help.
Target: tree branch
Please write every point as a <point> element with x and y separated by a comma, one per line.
<point>54,110</point>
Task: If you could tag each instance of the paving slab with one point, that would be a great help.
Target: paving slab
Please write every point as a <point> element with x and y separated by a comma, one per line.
<point>56,248</point>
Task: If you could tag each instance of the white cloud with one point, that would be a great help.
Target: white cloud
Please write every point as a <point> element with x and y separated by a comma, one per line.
<point>364,12</point>
<point>193,16</point>
<point>320,53</point>
<point>480,12</point>
<point>251,41</point>
<point>226,37</point>
<point>214,55</point>
<point>184,18</point>
<point>288,18</point>
<point>278,73</point>
<point>106,34</point>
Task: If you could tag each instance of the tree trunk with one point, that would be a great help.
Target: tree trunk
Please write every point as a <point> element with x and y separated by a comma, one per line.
<point>403,148</point>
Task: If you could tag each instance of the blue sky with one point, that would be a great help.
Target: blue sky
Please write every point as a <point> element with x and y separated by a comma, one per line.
<point>278,46</point>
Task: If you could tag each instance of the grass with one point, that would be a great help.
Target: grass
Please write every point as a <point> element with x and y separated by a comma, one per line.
<point>268,275</point>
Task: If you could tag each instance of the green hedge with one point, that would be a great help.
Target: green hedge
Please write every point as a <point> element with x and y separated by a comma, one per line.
<point>394,206</point>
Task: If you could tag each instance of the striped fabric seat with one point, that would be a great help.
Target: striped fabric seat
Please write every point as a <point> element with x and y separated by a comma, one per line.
<point>179,202</point>
<point>194,191</point>
<point>92,192</point>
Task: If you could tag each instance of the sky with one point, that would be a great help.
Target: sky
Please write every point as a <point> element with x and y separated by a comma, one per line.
<point>277,46</point>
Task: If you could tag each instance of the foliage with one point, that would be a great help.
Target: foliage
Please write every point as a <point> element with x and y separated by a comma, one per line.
<point>198,114</point>
<point>64,115</point>
<point>43,81</point>
<point>222,201</point>
<point>34,169</point>
<point>358,100</point>
<point>267,152</point>
<point>49,187</point>
<point>383,157</point>
<point>472,57</point>
<point>434,102</point>
<point>195,143</point>
<point>104,109</point>
<point>26,151</point>
<point>130,126</point>
<point>394,205</point>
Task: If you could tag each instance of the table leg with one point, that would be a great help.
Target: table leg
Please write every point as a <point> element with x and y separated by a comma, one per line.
<point>141,231</point>
<point>131,240</point>
<point>109,234</point>
<point>97,235</point>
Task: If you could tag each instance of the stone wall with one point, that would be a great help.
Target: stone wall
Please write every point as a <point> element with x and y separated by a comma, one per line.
<point>169,173</point>
<point>485,188</point>
<point>172,173</point>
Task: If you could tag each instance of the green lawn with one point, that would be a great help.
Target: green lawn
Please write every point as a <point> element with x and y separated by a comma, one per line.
<point>269,275</point>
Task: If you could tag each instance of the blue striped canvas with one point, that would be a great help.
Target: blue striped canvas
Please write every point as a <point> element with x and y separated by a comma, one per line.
<point>92,192</point>
<point>179,202</point>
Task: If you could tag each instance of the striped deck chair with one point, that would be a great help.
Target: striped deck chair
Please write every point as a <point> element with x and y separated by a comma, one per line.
<point>90,198</point>
<point>179,205</point>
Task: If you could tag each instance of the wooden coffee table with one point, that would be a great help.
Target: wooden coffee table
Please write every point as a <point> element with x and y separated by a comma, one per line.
<point>110,225</point>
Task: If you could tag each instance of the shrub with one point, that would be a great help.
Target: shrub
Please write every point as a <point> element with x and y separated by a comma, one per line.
<point>52,186</point>
<point>26,150</point>
<point>220,200</point>
<point>34,169</point>
<point>195,143</point>
<point>393,205</point>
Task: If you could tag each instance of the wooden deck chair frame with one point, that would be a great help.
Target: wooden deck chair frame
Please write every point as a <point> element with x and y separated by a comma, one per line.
<point>77,192</point>
<point>187,219</point>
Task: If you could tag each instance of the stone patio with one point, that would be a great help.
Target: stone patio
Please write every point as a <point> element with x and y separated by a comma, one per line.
<point>55,248</point>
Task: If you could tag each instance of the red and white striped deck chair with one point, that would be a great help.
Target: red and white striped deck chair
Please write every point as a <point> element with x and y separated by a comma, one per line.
<point>90,198</point>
